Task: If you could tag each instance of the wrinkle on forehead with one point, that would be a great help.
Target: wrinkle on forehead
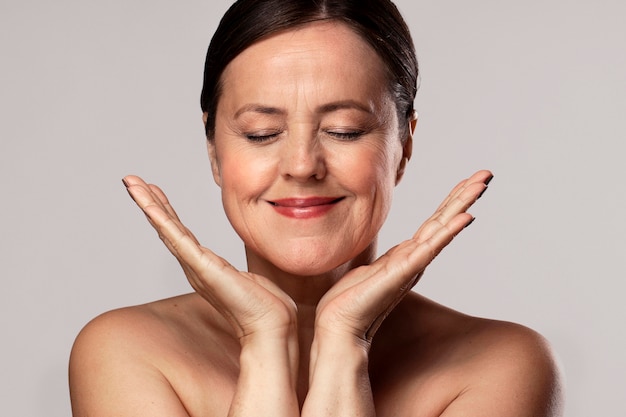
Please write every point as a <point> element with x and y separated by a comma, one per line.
<point>305,68</point>
<point>313,37</point>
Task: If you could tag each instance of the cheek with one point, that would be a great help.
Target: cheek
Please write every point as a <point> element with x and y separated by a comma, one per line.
<point>244,175</point>
<point>371,175</point>
<point>373,168</point>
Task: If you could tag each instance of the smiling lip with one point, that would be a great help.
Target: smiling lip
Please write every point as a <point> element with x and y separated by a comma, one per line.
<point>304,208</point>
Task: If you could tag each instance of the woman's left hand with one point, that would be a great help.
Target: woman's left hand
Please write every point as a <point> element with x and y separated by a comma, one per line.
<point>358,303</point>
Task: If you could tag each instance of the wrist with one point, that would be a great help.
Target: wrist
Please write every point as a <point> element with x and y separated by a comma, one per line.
<point>339,381</point>
<point>346,350</point>
<point>268,372</point>
<point>275,349</point>
<point>332,339</point>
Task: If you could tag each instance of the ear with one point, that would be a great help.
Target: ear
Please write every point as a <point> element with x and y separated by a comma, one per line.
<point>407,148</point>
<point>215,166</point>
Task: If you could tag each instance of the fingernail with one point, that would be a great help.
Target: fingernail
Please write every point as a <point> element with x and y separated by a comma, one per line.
<point>488,180</point>
<point>131,196</point>
<point>481,193</point>
<point>124,182</point>
<point>470,222</point>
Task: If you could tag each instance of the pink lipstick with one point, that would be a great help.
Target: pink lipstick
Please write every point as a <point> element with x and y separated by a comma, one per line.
<point>304,208</point>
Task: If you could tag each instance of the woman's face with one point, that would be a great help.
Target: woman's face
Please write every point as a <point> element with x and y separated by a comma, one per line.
<point>307,148</point>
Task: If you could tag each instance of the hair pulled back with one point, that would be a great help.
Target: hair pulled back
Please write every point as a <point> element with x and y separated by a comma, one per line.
<point>378,22</point>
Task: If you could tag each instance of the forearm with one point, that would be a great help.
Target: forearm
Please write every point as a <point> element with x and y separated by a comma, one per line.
<point>339,379</point>
<point>267,379</point>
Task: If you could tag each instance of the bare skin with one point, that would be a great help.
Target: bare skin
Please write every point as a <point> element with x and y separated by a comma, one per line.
<point>318,326</point>
<point>432,364</point>
<point>181,357</point>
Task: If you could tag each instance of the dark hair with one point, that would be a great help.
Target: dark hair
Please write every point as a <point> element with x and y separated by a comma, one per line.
<point>378,22</point>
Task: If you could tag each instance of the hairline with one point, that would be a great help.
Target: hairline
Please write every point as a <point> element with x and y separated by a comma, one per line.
<point>323,18</point>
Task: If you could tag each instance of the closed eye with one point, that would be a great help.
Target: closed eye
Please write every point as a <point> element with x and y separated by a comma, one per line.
<point>347,136</point>
<point>261,138</point>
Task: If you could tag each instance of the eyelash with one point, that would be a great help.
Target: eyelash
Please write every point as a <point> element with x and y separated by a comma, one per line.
<point>345,136</point>
<point>261,138</point>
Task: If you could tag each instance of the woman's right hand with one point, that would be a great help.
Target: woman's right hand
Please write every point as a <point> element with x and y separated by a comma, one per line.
<point>251,303</point>
<point>261,314</point>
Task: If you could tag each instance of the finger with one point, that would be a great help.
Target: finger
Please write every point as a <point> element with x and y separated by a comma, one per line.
<point>464,196</point>
<point>375,290</point>
<point>176,236</point>
<point>133,182</point>
<point>162,198</point>
<point>133,185</point>
<point>192,257</point>
<point>199,264</point>
<point>384,283</point>
<point>160,195</point>
<point>419,253</point>
<point>440,219</point>
<point>428,249</point>
<point>458,188</point>
<point>230,291</point>
<point>418,256</point>
<point>146,195</point>
<point>459,200</point>
<point>142,196</point>
<point>154,209</point>
<point>482,176</point>
<point>400,265</point>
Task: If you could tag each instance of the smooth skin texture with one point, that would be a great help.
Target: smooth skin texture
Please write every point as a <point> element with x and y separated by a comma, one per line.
<point>317,326</point>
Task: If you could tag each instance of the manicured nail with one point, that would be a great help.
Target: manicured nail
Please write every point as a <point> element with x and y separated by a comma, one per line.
<point>131,196</point>
<point>488,180</point>
<point>481,193</point>
<point>470,222</point>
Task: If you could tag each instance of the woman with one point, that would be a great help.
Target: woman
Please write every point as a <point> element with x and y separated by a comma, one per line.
<point>308,110</point>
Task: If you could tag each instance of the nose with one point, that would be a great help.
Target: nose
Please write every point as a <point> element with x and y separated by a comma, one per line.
<point>302,157</point>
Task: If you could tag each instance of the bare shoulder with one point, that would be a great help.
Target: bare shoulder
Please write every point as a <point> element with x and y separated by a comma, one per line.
<point>515,372</point>
<point>473,366</point>
<point>142,360</point>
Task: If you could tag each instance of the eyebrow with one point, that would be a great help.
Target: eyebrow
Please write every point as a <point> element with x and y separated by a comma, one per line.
<point>343,105</point>
<point>323,109</point>
<point>259,108</point>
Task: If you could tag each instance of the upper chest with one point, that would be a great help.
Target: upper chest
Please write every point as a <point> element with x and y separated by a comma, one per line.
<point>423,375</point>
<point>206,383</point>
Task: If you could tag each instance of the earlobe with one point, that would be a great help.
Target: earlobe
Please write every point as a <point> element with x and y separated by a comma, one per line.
<point>412,123</point>
<point>407,148</point>
<point>215,166</point>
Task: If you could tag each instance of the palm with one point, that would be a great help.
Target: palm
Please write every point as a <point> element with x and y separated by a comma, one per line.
<point>361,300</point>
<point>251,303</point>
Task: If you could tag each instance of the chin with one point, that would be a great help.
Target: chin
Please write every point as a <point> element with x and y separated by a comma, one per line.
<point>311,262</point>
<point>311,258</point>
<point>307,265</point>
<point>309,270</point>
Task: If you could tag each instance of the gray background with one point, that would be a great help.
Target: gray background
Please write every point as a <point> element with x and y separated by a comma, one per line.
<point>534,90</point>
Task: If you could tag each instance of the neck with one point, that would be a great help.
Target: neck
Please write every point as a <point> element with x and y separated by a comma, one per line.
<point>306,291</point>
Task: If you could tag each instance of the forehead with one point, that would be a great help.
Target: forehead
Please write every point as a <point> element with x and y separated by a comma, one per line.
<point>322,59</point>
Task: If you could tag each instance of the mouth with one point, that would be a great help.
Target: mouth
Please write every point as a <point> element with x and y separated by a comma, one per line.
<point>305,208</point>
<point>305,202</point>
